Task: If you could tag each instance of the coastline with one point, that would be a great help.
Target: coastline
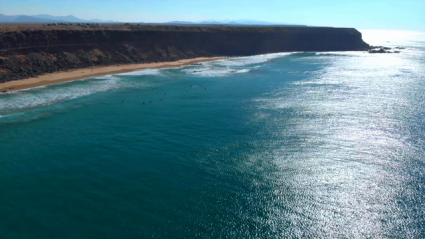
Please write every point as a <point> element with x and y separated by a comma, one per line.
<point>83,73</point>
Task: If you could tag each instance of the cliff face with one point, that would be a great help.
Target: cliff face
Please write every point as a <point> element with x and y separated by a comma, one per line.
<point>34,52</point>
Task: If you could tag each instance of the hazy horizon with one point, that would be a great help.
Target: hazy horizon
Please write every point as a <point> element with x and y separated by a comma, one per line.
<point>388,15</point>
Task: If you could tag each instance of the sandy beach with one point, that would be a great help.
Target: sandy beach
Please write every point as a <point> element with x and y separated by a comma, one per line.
<point>83,73</point>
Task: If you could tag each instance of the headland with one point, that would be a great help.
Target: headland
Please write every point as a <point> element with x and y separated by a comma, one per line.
<point>28,51</point>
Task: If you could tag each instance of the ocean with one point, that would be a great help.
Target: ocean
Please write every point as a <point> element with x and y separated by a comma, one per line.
<point>285,145</point>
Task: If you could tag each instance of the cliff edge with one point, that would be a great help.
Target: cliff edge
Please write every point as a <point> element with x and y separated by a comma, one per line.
<point>32,51</point>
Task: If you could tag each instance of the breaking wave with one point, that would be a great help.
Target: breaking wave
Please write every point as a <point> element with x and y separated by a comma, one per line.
<point>142,72</point>
<point>29,99</point>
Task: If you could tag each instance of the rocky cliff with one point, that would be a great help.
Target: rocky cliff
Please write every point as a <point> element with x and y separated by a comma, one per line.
<point>32,52</point>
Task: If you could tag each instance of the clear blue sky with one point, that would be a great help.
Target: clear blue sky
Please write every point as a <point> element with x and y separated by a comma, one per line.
<point>361,14</point>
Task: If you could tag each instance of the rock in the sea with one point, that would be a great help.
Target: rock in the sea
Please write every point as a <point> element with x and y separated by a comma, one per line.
<point>381,50</point>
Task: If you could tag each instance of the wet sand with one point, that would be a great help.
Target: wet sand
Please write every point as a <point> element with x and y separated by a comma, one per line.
<point>83,73</point>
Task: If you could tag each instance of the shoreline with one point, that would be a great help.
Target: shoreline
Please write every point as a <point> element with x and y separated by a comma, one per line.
<point>84,73</point>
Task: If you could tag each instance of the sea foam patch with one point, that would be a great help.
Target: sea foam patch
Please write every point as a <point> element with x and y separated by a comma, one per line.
<point>142,72</point>
<point>19,101</point>
<point>210,71</point>
<point>339,53</point>
<point>24,100</point>
<point>106,77</point>
<point>250,60</point>
<point>28,99</point>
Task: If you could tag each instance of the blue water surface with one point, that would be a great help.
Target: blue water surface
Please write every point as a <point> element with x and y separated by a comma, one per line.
<point>287,145</point>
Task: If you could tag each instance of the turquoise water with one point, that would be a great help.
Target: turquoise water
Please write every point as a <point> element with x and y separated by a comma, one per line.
<point>291,145</point>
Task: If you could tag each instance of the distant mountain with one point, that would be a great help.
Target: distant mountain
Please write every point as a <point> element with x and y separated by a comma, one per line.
<point>232,22</point>
<point>69,18</point>
<point>24,18</point>
<point>46,18</point>
<point>4,18</point>
<point>246,22</point>
<point>107,21</point>
<point>255,22</point>
<point>181,23</point>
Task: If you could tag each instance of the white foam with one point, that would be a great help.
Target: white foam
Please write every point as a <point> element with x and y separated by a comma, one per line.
<point>250,60</point>
<point>105,77</point>
<point>342,53</point>
<point>243,71</point>
<point>28,99</point>
<point>23,100</point>
<point>142,72</point>
<point>48,95</point>
<point>214,71</point>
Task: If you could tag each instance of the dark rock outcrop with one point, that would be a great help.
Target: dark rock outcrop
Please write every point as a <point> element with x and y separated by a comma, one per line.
<point>382,49</point>
<point>30,53</point>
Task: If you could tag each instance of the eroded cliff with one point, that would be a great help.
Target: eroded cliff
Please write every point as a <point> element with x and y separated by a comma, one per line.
<point>32,52</point>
